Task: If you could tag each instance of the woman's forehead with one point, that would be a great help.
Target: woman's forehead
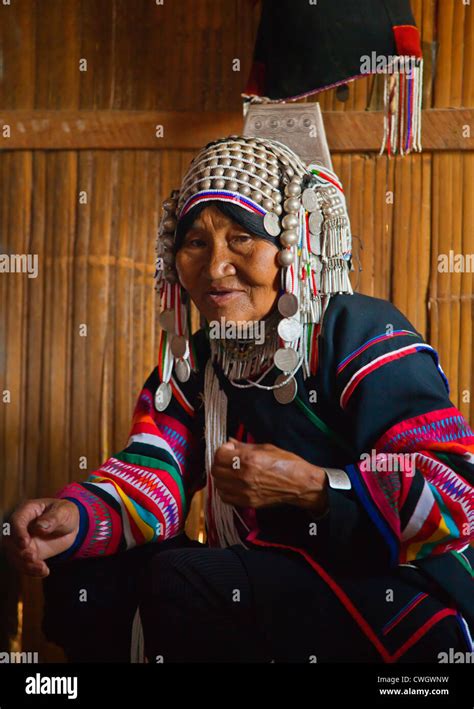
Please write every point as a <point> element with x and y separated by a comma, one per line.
<point>212,216</point>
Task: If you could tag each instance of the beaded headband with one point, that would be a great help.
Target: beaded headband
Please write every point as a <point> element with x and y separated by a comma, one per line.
<point>302,205</point>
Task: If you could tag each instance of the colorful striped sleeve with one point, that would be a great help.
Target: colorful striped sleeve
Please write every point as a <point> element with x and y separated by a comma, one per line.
<point>143,492</point>
<point>414,474</point>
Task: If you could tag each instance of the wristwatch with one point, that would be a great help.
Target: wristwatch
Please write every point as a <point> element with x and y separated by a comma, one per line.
<point>338,479</point>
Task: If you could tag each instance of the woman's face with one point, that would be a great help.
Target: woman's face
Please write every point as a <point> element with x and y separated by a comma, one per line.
<point>227,271</point>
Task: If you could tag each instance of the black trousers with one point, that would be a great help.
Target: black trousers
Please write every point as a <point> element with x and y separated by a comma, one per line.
<point>235,605</point>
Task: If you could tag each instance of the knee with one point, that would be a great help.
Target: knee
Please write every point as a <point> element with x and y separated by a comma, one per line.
<point>164,576</point>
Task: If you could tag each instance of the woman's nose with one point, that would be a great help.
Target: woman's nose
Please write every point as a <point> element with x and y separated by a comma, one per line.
<point>219,262</point>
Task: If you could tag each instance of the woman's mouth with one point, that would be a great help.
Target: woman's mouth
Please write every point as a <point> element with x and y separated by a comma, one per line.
<point>222,296</point>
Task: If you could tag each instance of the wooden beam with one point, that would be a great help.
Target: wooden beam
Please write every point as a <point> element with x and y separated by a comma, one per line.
<point>347,131</point>
<point>362,131</point>
<point>145,130</point>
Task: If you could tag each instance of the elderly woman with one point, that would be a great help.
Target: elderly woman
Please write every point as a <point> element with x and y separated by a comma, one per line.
<point>337,472</point>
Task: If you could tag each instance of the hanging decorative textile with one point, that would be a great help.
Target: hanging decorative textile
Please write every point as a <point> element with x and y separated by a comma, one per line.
<point>303,48</point>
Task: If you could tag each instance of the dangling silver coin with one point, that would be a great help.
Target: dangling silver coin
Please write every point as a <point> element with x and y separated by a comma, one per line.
<point>182,369</point>
<point>309,200</point>
<point>315,221</point>
<point>271,223</point>
<point>289,329</point>
<point>286,393</point>
<point>286,359</point>
<point>288,305</point>
<point>163,396</point>
<point>179,346</point>
<point>167,320</point>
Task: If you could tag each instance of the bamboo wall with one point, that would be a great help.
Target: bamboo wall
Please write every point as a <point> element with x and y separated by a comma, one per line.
<point>72,395</point>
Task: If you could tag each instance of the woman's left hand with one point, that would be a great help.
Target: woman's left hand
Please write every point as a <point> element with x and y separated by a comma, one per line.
<point>261,474</point>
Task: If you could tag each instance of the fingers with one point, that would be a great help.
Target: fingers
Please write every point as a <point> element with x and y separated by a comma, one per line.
<point>39,569</point>
<point>27,561</point>
<point>225,455</point>
<point>230,462</point>
<point>26,528</point>
<point>60,517</point>
<point>34,568</point>
<point>246,453</point>
<point>231,496</point>
<point>20,520</point>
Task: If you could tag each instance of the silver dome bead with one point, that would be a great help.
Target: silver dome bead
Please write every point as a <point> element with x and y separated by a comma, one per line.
<point>219,184</point>
<point>233,186</point>
<point>230,172</point>
<point>293,189</point>
<point>286,257</point>
<point>218,172</point>
<point>268,204</point>
<point>169,224</point>
<point>290,221</point>
<point>289,237</point>
<point>277,209</point>
<point>257,196</point>
<point>292,204</point>
<point>255,182</point>
<point>245,190</point>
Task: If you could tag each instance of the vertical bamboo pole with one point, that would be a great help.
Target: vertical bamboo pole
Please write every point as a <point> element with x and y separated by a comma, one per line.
<point>466,358</point>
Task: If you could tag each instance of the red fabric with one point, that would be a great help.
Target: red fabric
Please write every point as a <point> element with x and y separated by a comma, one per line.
<point>256,80</point>
<point>407,40</point>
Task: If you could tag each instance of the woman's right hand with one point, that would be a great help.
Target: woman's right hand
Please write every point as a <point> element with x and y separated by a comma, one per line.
<point>40,529</point>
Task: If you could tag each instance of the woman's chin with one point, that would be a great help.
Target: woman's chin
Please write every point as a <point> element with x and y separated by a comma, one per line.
<point>228,313</point>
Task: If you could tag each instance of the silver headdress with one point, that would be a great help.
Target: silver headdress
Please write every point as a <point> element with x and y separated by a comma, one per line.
<point>302,205</point>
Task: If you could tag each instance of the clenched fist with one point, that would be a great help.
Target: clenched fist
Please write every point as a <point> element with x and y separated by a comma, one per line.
<point>40,529</point>
<point>261,474</point>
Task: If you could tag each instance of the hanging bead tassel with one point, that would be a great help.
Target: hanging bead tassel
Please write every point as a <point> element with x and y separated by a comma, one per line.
<point>220,517</point>
<point>403,90</point>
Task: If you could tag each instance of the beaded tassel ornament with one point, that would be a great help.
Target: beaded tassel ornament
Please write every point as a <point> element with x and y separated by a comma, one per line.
<point>304,207</point>
<point>403,90</point>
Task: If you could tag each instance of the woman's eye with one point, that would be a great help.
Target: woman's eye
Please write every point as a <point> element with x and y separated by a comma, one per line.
<point>242,238</point>
<point>194,241</point>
